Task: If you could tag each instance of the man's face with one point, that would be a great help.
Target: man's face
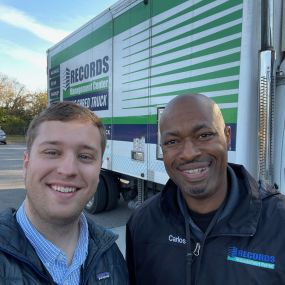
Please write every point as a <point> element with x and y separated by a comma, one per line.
<point>61,171</point>
<point>194,143</point>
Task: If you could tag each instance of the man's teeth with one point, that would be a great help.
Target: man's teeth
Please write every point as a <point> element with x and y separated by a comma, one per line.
<point>195,171</point>
<point>63,189</point>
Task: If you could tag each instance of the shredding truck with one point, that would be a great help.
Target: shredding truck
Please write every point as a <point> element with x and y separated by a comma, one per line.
<point>128,62</point>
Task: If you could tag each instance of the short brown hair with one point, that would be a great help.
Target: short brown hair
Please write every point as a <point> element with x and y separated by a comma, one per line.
<point>65,112</point>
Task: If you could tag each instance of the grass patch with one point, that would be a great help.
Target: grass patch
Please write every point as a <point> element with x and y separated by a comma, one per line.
<point>15,139</point>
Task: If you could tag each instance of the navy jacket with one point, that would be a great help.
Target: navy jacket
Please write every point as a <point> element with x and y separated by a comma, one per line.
<point>20,265</point>
<point>246,245</point>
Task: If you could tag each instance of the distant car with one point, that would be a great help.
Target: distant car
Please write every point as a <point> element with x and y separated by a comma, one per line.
<point>2,137</point>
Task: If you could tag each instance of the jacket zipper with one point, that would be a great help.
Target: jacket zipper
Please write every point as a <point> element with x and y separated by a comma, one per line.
<point>196,251</point>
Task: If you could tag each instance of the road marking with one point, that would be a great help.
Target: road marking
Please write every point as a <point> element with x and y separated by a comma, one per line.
<point>12,159</point>
<point>15,175</point>
<point>11,172</point>
<point>14,186</point>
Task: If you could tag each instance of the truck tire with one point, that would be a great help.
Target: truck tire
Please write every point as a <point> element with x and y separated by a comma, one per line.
<point>112,189</point>
<point>98,201</point>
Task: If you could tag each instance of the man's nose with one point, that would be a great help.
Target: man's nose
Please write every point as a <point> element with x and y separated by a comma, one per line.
<point>67,165</point>
<point>189,150</point>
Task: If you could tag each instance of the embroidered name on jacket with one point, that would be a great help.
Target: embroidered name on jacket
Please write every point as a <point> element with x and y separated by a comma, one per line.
<point>252,258</point>
<point>176,239</point>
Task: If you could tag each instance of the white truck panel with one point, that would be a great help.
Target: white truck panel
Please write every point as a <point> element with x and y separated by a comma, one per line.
<point>187,46</point>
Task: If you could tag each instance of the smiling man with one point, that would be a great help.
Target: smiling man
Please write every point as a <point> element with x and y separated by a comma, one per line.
<point>212,223</point>
<point>49,240</point>
<point>194,141</point>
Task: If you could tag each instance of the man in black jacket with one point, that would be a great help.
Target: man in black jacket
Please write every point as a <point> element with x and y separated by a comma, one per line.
<point>49,240</point>
<point>212,223</point>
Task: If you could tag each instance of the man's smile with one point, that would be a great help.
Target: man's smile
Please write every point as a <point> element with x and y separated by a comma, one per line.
<point>63,189</point>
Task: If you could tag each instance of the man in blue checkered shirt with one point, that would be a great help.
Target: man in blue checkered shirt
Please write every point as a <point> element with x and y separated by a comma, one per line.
<point>49,240</point>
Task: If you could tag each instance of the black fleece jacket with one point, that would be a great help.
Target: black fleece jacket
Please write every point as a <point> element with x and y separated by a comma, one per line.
<point>245,245</point>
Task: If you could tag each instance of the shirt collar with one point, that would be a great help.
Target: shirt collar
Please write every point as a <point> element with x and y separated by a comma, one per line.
<point>46,250</point>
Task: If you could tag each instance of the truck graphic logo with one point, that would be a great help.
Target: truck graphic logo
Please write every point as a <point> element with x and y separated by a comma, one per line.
<point>66,80</point>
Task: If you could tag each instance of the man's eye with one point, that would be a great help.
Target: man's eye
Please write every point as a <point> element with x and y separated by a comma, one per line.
<point>51,152</point>
<point>207,135</point>
<point>86,157</point>
<point>170,142</point>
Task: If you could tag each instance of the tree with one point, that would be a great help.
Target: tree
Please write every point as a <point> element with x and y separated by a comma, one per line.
<point>13,95</point>
<point>38,101</point>
<point>18,106</point>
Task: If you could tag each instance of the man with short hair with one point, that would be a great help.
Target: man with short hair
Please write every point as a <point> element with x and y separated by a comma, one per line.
<point>212,223</point>
<point>49,240</point>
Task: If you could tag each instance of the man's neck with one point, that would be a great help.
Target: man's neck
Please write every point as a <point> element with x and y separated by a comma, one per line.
<point>207,204</point>
<point>63,235</point>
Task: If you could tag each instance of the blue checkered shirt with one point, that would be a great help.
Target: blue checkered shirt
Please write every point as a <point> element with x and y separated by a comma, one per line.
<point>51,256</point>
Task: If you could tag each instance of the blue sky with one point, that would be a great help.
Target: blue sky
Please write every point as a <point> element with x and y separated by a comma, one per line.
<point>29,27</point>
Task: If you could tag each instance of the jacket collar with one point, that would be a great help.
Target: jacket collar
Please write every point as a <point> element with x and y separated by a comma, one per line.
<point>14,241</point>
<point>240,218</point>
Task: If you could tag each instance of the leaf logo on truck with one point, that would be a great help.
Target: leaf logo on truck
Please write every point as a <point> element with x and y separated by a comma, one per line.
<point>66,81</point>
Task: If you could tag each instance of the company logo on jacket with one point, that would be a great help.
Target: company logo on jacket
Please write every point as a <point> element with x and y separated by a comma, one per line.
<point>252,258</point>
<point>102,276</point>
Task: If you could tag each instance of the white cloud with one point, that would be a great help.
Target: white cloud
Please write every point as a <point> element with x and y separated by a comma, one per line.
<point>21,20</point>
<point>34,79</point>
<point>22,54</point>
<point>27,66</point>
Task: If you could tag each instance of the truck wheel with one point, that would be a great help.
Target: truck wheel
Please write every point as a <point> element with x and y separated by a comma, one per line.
<point>112,189</point>
<point>98,201</point>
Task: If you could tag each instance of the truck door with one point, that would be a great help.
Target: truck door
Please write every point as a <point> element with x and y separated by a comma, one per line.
<point>282,175</point>
<point>131,89</point>
<point>279,138</point>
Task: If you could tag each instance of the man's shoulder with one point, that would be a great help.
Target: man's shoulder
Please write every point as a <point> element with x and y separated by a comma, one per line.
<point>7,218</point>
<point>11,235</point>
<point>146,211</point>
<point>7,213</point>
<point>265,190</point>
<point>160,205</point>
<point>101,236</point>
<point>248,181</point>
<point>273,197</point>
<point>151,203</point>
<point>268,190</point>
<point>273,203</point>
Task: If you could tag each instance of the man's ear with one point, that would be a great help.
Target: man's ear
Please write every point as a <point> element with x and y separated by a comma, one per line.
<point>25,163</point>
<point>26,159</point>
<point>227,132</point>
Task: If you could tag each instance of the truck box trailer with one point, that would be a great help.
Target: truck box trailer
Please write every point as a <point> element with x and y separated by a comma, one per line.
<point>128,62</point>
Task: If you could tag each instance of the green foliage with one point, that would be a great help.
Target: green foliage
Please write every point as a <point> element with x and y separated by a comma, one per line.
<point>18,106</point>
<point>13,125</point>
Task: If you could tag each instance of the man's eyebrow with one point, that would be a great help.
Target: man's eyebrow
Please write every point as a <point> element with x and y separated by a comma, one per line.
<point>50,143</point>
<point>201,126</point>
<point>89,147</point>
<point>170,133</point>
<point>58,143</point>
<point>194,129</point>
